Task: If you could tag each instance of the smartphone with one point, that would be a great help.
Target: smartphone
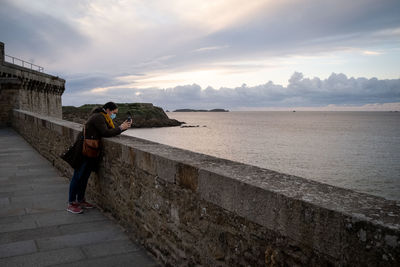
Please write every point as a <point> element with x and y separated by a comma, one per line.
<point>129,119</point>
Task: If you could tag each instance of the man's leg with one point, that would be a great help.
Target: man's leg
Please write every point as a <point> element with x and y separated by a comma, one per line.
<point>75,183</point>
<point>83,184</point>
<point>73,206</point>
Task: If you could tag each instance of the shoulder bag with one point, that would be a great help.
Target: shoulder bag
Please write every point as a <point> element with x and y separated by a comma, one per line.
<point>91,147</point>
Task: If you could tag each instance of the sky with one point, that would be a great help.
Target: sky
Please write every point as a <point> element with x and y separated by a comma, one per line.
<point>238,55</point>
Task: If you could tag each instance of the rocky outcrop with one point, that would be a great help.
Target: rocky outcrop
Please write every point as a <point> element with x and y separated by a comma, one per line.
<point>144,115</point>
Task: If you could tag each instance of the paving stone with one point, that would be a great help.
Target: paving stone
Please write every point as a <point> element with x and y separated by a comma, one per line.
<point>110,248</point>
<point>37,180</point>
<point>37,173</point>
<point>47,258</point>
<point>29,200</point>
<point>64,217</point>
<point>8,172</point>
<point>39,191</point>
<point>6,194</point>
<point>135,259</point>
<point>4,201</point>
<point>26,224</point>
<point>17,248</point>
<point>72,240</point>
<point>29,234</point>
<point>56,230</point>
<point>4,212</point>
<point>50,183</point>
<point>9,219</point>
<point>87,226</point>
<point>12,187</point>
<point>4,165</point>
<point>39,209</point>
<point>51,203</point>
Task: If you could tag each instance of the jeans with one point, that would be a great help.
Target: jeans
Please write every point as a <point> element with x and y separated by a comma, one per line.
<point>79,181</point>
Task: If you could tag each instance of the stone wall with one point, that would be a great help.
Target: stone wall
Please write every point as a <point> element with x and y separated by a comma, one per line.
<point>191,209</point>
<point>26,89</point>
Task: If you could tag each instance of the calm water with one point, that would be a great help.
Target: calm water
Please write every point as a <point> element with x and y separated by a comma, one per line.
<point>356,150</point>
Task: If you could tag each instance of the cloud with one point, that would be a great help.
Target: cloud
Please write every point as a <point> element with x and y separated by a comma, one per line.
<point>147,36</point>
<point>209,48</point>
<point>332,107</point>
<point>39,34</point>
<point>337,90</point>
<point>86,82</point>
<point>311,26</point>
<point>372,53</point>
<point>197,42</point>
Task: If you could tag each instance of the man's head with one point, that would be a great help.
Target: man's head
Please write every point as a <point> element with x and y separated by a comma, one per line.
<point>111,109</point>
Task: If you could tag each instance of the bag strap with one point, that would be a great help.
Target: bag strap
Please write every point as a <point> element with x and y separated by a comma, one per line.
<point>84,132</point>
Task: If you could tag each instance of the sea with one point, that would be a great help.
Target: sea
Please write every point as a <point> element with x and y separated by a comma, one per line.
<point>354,150</point>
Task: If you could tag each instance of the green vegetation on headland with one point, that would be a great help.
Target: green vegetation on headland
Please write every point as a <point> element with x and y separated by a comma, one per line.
<point>144,115</point>
<point>201,110</point>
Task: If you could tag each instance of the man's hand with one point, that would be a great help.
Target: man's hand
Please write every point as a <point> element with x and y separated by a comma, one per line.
<point>125,125</point>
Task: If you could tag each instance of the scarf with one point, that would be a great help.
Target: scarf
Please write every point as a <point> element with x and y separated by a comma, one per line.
<point>108,119</point>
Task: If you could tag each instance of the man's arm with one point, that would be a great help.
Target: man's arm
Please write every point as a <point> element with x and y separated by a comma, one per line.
<point>99,122</point>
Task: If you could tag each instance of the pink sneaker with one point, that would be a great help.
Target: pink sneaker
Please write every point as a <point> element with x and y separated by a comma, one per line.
<point>74,208</point>
<point>85,205</point>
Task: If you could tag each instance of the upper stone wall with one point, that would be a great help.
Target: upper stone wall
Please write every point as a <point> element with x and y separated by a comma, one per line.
<point>27,89</point>
<point>192,209</point>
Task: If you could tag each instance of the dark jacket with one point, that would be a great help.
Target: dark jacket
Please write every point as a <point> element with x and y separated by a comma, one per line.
<point>96,128</point>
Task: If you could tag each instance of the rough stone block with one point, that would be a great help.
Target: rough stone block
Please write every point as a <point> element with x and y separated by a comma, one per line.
<point>128,155</point>
<point>57,128</point>
<point>260,205</point>
<point>217,189</point>
<point>112,151</point>
<point>66,132</point>
<point>74,134</point>
<point>166,169</point>
<point>145,161</point>
<point>187,176</point>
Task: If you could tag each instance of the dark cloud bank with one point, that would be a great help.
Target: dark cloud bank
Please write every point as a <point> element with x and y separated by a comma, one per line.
<point>338,89</point>
<point>39,34</point>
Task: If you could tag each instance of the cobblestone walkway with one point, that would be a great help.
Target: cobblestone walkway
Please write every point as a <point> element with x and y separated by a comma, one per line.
<point>35,228</point>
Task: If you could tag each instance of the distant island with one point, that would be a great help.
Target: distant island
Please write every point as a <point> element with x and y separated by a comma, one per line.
<point>144,115</point>
<point>201,110</point>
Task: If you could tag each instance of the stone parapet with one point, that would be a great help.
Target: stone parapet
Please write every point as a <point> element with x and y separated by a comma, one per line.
<point>192,209</point>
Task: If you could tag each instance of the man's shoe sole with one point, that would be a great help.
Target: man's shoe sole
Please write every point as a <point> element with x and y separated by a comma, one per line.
<point>75,212</point>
